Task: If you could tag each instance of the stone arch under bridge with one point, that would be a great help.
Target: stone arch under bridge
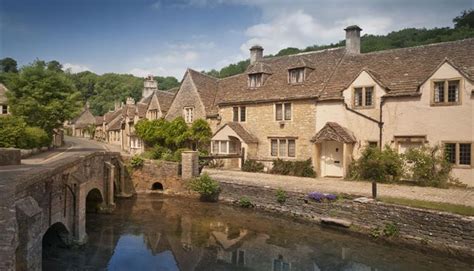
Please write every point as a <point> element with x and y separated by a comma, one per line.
<point>58,196</point>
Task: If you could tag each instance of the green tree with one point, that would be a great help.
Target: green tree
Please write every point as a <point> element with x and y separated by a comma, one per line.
<point>85,83</point>
<point>166,83</point>
<point>200,134</point>
<point>177,134</point>
<point>43,97</point>
<point>12,130</point>
<point>466,19</point>
<point>55,66</point>
<point>8,64</point>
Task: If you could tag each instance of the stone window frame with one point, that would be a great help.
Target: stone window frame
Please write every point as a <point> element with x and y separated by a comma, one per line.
<point>239,113</point>
<point>286,139</point>
<point>302,69</point>
<point>219,149</point>
<point>446,92</point>
<point>4,110</point>
<point>410,139</point>
<point>364,96</point>
<point>372,143</point>
<point>238,257</point>
<point>191,108</point>
<point>257,75</point>
<point>458,153</point>
<point>283,110</point>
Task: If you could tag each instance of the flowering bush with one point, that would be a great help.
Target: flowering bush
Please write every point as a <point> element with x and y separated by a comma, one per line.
<point>320,197</point>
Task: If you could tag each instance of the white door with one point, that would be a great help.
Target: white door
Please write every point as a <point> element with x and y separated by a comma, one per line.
<point>332,158</point>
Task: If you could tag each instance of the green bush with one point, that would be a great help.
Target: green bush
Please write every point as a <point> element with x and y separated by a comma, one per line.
<point>12,130</point>
<point>252,166</point>
<point>281,196</point>
<point>294,168</point>
<point>244,202</point>
<point>428,166</point>
<point>136,162</point>
<point>207,187</point>
<point>377,165</point>
<point>34,137</point>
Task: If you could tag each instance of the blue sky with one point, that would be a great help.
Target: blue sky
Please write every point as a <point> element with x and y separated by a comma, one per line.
<point>165,37</point>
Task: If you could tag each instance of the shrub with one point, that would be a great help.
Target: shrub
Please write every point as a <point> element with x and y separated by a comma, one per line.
<point>321,197</point>
<point>136,162</point>
<point>252,166</point>
<point>428,166</point>
<point>12,129</point>
<point>281,196</point>
<point>294,168</point>
<point>34,137</point>
<point>207,187</point>
<point>244,202</point>
<point>390,229</point>
<point>377,165</point>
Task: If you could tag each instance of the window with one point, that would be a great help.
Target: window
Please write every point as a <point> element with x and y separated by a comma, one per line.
<point>446,92</point>
<point>372,144</point>
<point>188,114</point>
<point>215,146</point>
<point>282,147</point>
<point>236,110</point>
<point>238,257</point>
<point>224,146</point>
<point>458,154</point>
<point>283,111</point>
<point>296,76</point>
<point>281,265</point>
<point>255,80</point>
<point>363,97</point>
<point>4,109</point>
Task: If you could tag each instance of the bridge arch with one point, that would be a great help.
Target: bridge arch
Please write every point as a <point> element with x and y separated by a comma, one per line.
<point>157,186</point>
<point>56,237</point>
<point>94,200</point>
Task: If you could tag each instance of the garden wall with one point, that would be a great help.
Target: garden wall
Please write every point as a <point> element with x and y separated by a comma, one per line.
<point>417,228</point>
<point>157,171</point>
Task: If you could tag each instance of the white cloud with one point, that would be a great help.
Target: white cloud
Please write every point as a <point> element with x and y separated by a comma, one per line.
<point>75,68</point>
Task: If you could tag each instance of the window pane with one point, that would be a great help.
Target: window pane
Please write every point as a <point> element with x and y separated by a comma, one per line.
<point>232,147</point>
<point>291,148</point>
<point>243,113</point>
<point>223,146</point>
<point>453,91</point>
<point>439,92</point>
<point>234,257</point>
<point>450,152</point>
<point>4,109</point>
<point>282,149</point>
<point>300,75</point>
<point>278,112</point>
<point>215,146</point>
<point>465,154</point>
<point>358,97</point>
<point>236,114</point>
<point>288,111</point>
<point>259,80</point>
<point>241,257</point>
<point>368,96</point>
<point>274,147</point>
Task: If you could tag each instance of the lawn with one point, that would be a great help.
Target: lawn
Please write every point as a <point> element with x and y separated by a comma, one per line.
<point>438,206</point>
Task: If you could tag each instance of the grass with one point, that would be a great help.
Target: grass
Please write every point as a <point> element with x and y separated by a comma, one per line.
<point>438,206</point>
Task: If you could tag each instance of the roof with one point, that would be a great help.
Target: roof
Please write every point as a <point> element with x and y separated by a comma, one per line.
<point>165,98</point>
<point>109,116</point>
<point>332,131</point>
<point>116,124</point>
<point>84,119</point>
<point>141,108</point>
<point>3,94</point>
<point>206,86</point>
<point>99,120</point>
<point>246,136</point>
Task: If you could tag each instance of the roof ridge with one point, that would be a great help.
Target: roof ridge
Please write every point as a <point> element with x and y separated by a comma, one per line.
<point>203,74</point>
<point>419,46</point>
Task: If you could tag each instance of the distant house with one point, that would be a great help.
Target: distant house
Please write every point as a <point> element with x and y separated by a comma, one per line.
<point>80,123</point>
<point>4,109</point>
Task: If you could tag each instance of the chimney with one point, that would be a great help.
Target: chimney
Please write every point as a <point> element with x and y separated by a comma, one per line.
<point>149,86</point>
<point>353,39</point>
<point>130,100</point>
<point>116,105</point>
<point>256,53</point>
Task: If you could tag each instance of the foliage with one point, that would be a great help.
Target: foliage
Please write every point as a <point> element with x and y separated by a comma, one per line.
<point>321,197</point>
<point>207,187</point>
<point>8,64</point>
<point>200,134</point>
<point>166,83</point>
<point>215,163</point>
<point>12,131</point>
<point>390,229</point>
<point>466,19</point>
<point>42,97</point>
<point>440,206</point>
<point>252,166</point>
<point>90,129</point>
<point>294,168</point>
<point>281,196</point>
<point>428,166</point>
<point>35,137</point>
<point>136,162</point>
<point>376,165</point>
<point>245,202</point>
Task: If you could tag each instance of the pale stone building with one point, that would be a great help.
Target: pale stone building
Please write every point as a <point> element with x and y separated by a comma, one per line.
<point>80,123</point>
<point>4,109</point>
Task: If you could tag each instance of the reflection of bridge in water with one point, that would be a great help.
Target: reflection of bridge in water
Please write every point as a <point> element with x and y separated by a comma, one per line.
<point>52,202</point>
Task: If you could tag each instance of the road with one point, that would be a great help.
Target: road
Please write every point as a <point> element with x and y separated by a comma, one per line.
<point>73,148</point>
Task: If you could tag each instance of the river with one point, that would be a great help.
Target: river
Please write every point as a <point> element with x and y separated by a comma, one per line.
<point>154,232</point>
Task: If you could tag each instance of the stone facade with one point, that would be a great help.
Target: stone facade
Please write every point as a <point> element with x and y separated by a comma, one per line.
<point>190,165</point>
<point>155,173</point>
<point>418,228</point>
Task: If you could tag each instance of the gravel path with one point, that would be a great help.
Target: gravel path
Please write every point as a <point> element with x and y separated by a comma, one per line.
<point>334,185</point>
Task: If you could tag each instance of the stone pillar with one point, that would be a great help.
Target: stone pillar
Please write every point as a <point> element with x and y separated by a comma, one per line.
<point>110,185</point>
<point>190,164</point>
<point>317,159</point>
<point>346,158</point>
<point>79,227</point>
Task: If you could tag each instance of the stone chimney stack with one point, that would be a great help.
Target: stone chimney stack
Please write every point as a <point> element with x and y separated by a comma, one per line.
<point>149,86</point>
<point>116,105</point>
<point>256,54</point>
<point>353,39</point>
<point>130,100</point>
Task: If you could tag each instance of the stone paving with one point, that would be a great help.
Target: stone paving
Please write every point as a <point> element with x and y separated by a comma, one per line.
<point>336,185</point>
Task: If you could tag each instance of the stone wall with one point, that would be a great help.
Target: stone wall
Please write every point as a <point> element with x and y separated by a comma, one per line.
<point>157,171</point>
<point>10,157</point>
<point>418,228</point>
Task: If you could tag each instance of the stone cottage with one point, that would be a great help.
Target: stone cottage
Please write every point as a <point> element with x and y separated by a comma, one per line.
<point>4,109</point>
<point>80,123</point>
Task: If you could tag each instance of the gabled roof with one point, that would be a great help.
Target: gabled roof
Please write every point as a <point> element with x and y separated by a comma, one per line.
<point>141,110</point>
<point>165,98</point>
<point>245,135</point>
<point>206,86</point>
<point>110,116</point>
<point>99,120</point>
<point>84,119</point>
<point>3,94</point>
<point>115,124</point>
<point>332,131</point>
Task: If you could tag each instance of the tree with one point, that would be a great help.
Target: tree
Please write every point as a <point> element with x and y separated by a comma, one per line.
<point>200,134</point>
<point>466,19</point>
<point>43,97</point>
<point>85,83</point>
<point>55,66</point>
<point>166,83</point>
<point>8,64</point>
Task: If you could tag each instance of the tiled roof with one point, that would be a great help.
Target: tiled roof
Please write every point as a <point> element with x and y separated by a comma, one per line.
<point>3,94</point>
<point>207,89</point>
<point>259,67</point>
<point>246,136</point>
<point>99,120</point>
<point>116,124</point>
<point>141,108</point>
<point>84,119</point>
<point>109,116</point>
<point>165,98</point>
<point>332,131</point>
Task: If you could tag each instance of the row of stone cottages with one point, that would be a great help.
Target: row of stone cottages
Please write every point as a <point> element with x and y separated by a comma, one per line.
<point>325,105</point>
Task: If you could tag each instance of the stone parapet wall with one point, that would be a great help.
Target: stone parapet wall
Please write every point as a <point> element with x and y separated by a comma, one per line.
<point>10,156</point>
<point>418,228</point>
<point>157,171</point>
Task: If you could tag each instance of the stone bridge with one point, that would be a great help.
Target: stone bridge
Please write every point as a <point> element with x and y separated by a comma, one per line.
<point>55,199</point>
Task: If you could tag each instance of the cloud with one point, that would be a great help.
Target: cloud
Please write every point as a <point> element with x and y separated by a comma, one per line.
<point>75,68</point>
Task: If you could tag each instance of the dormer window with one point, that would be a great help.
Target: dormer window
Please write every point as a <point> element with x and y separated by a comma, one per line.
<point>296,76</point>
<point>446,92</point>
<point>255,80</point>
<point>363,97</point>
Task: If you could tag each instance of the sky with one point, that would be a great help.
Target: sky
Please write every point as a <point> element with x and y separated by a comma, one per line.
<point>164,37</point>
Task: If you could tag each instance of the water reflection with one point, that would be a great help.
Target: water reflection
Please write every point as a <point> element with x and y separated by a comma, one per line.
<point>155,233</point>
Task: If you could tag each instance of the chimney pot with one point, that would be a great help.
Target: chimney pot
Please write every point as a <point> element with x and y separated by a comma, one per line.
<point>256,53</point>
<point>353,39</point>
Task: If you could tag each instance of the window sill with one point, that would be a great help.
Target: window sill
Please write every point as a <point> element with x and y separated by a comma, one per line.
<point>462,166</point>
<point>445,104</point>
<point>364,107</point>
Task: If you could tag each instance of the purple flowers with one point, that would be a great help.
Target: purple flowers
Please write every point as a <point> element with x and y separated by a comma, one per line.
<point>320,197</point>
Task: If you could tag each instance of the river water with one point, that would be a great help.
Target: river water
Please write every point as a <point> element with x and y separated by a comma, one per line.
<point>153,232</point>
